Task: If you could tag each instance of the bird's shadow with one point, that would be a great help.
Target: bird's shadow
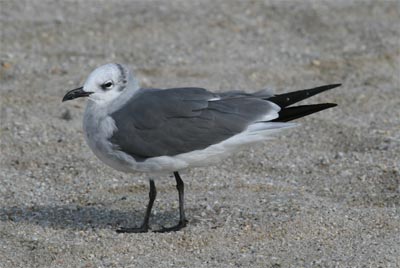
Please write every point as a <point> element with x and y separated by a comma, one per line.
<point>81,217</point>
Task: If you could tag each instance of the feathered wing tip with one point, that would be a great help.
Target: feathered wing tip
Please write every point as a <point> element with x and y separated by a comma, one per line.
<point>287,99</point>
<point>291,113</point>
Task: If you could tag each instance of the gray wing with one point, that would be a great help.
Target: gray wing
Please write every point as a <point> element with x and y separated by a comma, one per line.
<point>159,122</point>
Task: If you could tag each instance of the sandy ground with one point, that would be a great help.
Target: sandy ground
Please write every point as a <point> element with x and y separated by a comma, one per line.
<point>325,194</point>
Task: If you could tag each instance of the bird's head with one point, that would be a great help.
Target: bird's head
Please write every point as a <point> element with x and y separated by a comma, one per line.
<point>105,84</point>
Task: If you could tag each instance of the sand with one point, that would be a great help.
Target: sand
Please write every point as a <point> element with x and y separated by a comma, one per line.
<point>325,194</point>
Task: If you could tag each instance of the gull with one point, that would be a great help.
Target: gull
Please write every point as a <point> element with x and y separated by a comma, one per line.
<point>133,129</point>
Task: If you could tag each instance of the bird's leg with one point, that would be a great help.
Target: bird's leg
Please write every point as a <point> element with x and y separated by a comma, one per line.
<point>182,219</point>
<point>145,225</point>
<point>180,187</point>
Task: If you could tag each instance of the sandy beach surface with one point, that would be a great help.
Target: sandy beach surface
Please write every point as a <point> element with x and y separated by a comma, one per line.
<point>325,194</point>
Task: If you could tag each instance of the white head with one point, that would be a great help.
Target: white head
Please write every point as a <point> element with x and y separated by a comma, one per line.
<point>105,84</point>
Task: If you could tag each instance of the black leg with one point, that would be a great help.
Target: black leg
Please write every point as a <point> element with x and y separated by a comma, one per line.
<point>145,225</point>
<point>182,219</point>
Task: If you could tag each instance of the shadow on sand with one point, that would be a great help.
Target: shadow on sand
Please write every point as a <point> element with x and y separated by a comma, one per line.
<point>81,217</point>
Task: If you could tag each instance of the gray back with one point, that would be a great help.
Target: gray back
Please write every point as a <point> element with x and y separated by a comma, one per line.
<point>158,122</point>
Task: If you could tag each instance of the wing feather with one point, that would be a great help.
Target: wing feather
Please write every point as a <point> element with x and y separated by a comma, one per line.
<point>159,122</point>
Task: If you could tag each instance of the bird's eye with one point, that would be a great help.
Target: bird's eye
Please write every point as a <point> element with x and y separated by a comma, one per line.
<point>107,85</point>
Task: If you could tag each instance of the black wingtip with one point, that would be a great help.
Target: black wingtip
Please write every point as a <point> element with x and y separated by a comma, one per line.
<point>287,99</point>
<point>292,113</point>
<point>329,86</point>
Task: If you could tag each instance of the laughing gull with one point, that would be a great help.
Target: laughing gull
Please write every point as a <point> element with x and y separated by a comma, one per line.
<point>167,130</point>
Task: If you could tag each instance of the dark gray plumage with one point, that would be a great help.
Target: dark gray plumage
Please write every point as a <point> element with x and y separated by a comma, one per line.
<point>172,121</point>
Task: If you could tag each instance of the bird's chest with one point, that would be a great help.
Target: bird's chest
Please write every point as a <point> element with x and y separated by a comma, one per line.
<point>98,129</point>
<point>97,132</point>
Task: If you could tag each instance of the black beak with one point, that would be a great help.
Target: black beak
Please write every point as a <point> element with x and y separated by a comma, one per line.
<point>76,93</point>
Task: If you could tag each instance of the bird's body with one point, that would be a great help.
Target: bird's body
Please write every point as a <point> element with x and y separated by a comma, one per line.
<point>168,130</point>
<point>196,129</point>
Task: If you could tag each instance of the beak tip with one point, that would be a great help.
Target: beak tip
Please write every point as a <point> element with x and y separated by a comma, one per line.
<point>65,98</point>
<point>75,93</point>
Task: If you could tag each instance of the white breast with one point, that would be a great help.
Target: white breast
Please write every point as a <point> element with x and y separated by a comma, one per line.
<point>98,128</point>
